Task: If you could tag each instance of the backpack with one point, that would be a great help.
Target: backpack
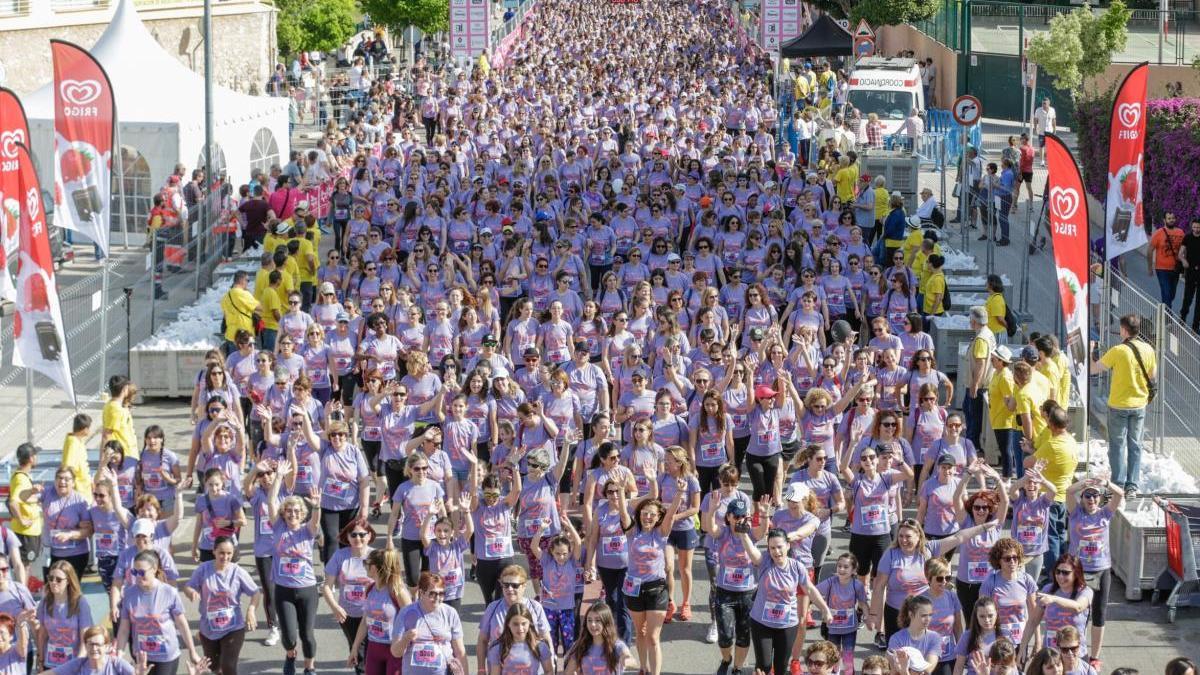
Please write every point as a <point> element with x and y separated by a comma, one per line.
<point>946,299</point>
<point>937,217</point>
<point>1010,321</point>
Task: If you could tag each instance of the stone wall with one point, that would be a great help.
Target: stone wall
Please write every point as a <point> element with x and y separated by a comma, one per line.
<point>244,48</point>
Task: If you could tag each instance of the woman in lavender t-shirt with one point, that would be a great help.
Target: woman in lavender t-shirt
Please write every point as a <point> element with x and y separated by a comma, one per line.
<point>218,586</point>
<point>152,616</point>
<point>1088,531</point>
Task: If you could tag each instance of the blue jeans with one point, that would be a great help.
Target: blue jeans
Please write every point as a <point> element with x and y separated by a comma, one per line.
<point>1005,206</point>
<point>1168,282</point>
<point>1011,460</point>
<point>973,411</point>
<point>1055,537</point>
<point>1125,429</point>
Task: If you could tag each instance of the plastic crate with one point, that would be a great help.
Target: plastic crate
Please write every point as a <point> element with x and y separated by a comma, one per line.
<point>1139,554</point>
<point>153,371</point>
<point>945,344</point>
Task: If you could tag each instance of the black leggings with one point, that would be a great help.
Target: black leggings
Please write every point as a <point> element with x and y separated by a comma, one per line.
<point>1100,596</point>
<point>393,473</point>
<point>772,646</point>
<point>709,480</point>
<point>77,562</point>
<point>346,384</point>
<point>763,471</point>
<point>297,611</point>
<point>263,565</point>
<point>168,668</point>
<point>487,572</point>
<point>332,523</point>
<point>415,561</point>
<point>739,451</point>
<point>371,452</point>
<point>967,595</point>
<point>350,630</point>
<point>820,546</point>
<point>611,581</point>
<point>224,653</point>
<point>431,129</point>
<point>869,548</point>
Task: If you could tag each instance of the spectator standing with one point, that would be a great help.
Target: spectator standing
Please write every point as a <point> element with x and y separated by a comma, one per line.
<point>1133,365</point>
<point>979,374</point>
<point>255,211</point>
<point>1162,257</point>
<point>1044,122</point>
<point>1189,259</point>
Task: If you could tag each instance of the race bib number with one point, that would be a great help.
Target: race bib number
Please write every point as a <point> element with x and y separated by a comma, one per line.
<point>303,473</point>
<point>378,629</point>
<point>632,586</point>
<point>426,655</point>
<point>126,492</point>
<point>152,645</point>
<point>739,420</point>
<point>336,489</point>
<point>978,571</point>
<point>341,214</point>
<point>613,545</point>
<point>841,618</point>
<point>220,618</point>
<point>498,547</point>
<point>711,452</point>
<point>1091,549</point>
<point>779,612</point>
<point>737,577</point>
<point>355,591</point>
<point>264,527</point>
<point>106,542</point>
<point>153,478</point>
<point>452,577</point>
<point>874,514</point>
<point>58,654</point>
<point>293,568</point>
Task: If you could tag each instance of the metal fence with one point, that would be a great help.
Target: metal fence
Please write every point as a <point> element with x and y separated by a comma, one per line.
<point>101,325</point>
<point>1164,37</point>
<point>1171,420</point>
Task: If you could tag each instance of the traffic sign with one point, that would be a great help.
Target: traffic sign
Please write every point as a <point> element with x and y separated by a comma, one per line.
<point>864,29</point>
<point>967,110</point>
<point>864,40</point>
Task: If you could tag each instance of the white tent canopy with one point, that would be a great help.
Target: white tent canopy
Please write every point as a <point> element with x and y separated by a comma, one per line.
<point>160,109</point>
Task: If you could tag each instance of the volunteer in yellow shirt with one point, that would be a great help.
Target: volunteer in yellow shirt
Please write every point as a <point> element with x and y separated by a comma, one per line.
<point>1057,448</point>
<point>1032,390</point>
<point>75,454</point>
<point>238,306</point>
<point>117,420</point>
<point>24,503</point>
<point>1128,396</point>
<point>272,310</point>
<point>845,179</point>
<point>934,288</point>
<point>1001,410</point>
<point>996,307</point>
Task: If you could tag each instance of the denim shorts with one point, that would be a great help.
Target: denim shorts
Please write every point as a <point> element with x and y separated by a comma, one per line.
<point>684,540</point>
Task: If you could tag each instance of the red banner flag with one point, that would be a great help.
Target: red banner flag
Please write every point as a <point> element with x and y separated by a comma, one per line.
<point>14,129</point>
<point>1068,208</point>
<point>1123,218</point>
<point>83,143</point>
<point>38,327</point>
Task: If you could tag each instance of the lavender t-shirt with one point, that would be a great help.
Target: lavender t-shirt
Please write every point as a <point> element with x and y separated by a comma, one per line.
<point>352,579</point>
<point>447,561</point>
<point>80,666</point>
<point>151,613</point>
<point>220,608</point>
<point>1089,537</point>
<point>62,514</point>
<point>291,566</point>
<point>929,643</point>
<point>1011,601</point>
<point>1029,523</point>
<point>775,601</point>
<point>843,600</point>
<point>429,651</point>
<point>64,630</point>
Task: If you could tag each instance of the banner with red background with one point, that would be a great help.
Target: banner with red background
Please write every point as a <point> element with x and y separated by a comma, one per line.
<point>14,129</point>
<point>1068,212</point>
<point>1123,219</point>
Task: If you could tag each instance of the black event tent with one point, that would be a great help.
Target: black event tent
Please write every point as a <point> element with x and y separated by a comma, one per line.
<point>824,38</point>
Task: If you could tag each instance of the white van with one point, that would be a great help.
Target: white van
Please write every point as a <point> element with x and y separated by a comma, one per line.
<point>887,87</point>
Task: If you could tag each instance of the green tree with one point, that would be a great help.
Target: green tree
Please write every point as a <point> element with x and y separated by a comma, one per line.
<point>321,25</point>
<point>1080,45</point>
<point>431,16</point>
<point>880,12</point>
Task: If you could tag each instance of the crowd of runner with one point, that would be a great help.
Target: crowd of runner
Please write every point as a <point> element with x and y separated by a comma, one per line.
<point>570,305</point>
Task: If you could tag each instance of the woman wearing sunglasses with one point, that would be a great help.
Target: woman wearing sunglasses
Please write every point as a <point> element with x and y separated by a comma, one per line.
<point>346,581</point>
<point>513,582</point>
<point>1011,588</point>
<point>1089,532</point>
<point>427,634</point>
<point>153,620</point>
<point>292,568</point>
<point>62,616</point>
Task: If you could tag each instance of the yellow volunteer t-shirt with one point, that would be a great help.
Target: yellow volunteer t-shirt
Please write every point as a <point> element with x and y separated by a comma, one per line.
<point>271,303</point>
<point>844,181</point>
<point>118,422</point>
<point>912,244</point>
<point>995,310</point>
<point>75,459</point>
<point>934,285</point>
<point>1129,388</point>
<point>1061,459</point>
<point>1030,399</point>
<point>882,197</point>
<point>30,511</point>
<point>1000,388</point>
<point>271,241</point>
<point>800,87</point>
<point>1064,383</point>
<point>1052,371</point>
<point>307,272</point>
<point>238,306</point>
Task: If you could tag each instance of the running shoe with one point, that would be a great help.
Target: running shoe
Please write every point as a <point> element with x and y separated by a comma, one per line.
<point>880,641</point>
<point>272,637</point>
<point>711,637</point>
<point>289,666</point>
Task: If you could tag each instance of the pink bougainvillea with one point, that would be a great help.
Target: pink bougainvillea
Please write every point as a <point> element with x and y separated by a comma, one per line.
<point>1172,182</point>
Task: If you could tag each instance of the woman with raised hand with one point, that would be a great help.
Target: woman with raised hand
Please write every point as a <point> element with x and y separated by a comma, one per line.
<point>218,585</point>
<point>1089,533</point>
<point>412,503</point>
<point>979,508</point>
<point>1065,601</point>
<point>645,583</point>
<point>292,570</point>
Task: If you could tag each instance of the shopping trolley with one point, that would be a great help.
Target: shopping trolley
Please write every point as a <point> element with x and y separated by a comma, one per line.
<point>1183,540</point>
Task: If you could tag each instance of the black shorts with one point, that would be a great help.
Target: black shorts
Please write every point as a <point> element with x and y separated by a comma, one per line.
<point>652,598</point>
<point>869,549</point>
<point>1027,177</point>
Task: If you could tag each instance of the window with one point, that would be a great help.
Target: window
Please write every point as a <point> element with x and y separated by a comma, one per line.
<point>264,152</point>
<point>218,157</point>
<point>889,105</point>
<point>138,191</point>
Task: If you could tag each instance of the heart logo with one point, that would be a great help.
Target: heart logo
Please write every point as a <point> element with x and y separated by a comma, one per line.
<point>1129,114</point>
<point>79,92</point>
<point>9,140</point>
<point>33,203</point>
<point>1064,201</point>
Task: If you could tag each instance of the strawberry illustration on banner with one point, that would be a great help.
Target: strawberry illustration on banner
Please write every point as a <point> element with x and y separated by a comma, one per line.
<point>37,328</point>
<point>1068,209</point>
<point>1125,221</point>
<point>14,129</point>
<point>83,143</point>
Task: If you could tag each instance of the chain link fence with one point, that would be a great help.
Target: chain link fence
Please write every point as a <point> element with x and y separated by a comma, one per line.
<point>100,326</point>
<point>1171,420</point>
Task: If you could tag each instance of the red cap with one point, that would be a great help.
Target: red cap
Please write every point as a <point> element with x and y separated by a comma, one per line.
<point>764,391</point>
